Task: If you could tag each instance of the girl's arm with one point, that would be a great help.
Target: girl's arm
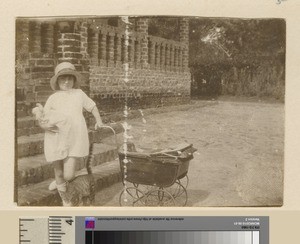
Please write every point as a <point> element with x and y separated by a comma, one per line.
<point>96,114</point>
<point>90,105</point>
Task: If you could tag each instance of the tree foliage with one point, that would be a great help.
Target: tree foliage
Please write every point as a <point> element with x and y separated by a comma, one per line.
<point>246,40</point>
<point>244,57</point>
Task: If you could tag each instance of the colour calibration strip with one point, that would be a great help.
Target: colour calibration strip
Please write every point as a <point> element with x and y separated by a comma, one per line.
<point>173,230</point>
<point>172,237</point>
<point>144,230</point>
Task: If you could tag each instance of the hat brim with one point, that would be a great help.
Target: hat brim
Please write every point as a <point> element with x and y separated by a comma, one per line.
<point>78,76</point>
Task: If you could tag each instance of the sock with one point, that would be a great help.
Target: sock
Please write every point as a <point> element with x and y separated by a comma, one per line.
<point>62,187</point>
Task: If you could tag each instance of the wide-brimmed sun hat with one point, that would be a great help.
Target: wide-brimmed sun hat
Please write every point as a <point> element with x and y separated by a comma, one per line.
<point>65,68</point>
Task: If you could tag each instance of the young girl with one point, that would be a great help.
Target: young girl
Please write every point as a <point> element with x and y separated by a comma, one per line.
<point>69,102</point>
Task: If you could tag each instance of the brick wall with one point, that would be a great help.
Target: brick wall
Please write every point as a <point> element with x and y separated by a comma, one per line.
<point>145,88</point>
<point>158,68</point>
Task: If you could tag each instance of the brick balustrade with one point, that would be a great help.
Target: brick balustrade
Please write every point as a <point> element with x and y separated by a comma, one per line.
<point>47,37</point>
<point>158,67</point>
<point>35,42</point>
<point>118,50</point>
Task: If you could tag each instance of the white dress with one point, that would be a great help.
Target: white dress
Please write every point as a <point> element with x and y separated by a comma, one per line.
<point>71,104</point>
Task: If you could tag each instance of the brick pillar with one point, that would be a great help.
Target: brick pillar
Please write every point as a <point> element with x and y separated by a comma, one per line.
<point>137,54</point>
<point>35,36</point>
<point>83,33</point>
<point>84,38</point>
<point>69,48</point>
<point>22,62</point>
<point>185,58</point>
<point>163,56</point>
<point>131,52</point>
<point>167,57</point>
<point>184,38</point>
<point>118,50</point>
<point>22,37</point>
<point>111,49</point>
<point>48,37</point>
<point>157,55</point>
<point>103,37</point>
<point>152,54</point>
<point>175,58</point>
<point>93,47</point>
<point>172,56</point>
<point>180,58</point>
<point>124,51</point>
<point>142,27</point>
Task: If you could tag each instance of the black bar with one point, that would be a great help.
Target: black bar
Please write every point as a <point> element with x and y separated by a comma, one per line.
<point>105,237</point>
<point>89,237</point>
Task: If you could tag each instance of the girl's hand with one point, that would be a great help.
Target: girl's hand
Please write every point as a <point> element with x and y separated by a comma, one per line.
<point>98,125</point>
<point>45,126</point>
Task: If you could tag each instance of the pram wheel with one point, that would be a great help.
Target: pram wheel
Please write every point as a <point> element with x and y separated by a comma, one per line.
<point>131,196</point>
<point>159,197</point>
<point>145,189</point>
<point>179,194</point>
<point>184,181</point>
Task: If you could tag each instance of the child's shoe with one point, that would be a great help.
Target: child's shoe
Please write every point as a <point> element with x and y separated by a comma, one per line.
<point>52,186</point>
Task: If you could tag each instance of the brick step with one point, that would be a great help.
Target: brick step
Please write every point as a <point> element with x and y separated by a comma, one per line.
<point>23,109</point>
<point>27,126</point>
<point>35,169</point>
<point>38,194</point>
<point>34,144</point>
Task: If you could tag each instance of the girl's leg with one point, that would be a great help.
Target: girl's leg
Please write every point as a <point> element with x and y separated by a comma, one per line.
<point>69,168</point>
<point>59,175</point>
<point>61,183</point>
<point>64,170</point>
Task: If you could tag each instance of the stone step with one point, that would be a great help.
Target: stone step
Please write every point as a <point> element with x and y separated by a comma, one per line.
<point>35,169</point>
<point>38,194</point>
<point>34,144</point>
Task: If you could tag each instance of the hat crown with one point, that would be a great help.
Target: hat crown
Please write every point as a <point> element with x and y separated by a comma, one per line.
<point>64,65</point>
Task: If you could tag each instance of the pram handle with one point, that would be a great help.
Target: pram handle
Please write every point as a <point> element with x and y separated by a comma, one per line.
<point>107,126</point>
<point>112,129</point>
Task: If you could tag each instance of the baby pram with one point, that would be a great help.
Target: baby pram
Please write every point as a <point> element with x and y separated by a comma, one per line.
<point>155,178</point>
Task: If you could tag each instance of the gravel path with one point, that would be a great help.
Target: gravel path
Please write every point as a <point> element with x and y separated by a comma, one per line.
<point>239,158</point>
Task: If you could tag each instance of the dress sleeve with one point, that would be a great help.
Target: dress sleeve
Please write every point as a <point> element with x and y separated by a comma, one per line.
<point>88,103</point>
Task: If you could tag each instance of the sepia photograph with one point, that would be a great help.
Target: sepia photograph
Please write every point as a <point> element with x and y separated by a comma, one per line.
<point>149,111</point>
